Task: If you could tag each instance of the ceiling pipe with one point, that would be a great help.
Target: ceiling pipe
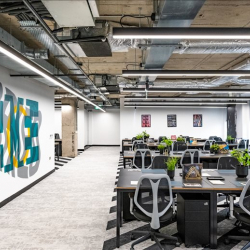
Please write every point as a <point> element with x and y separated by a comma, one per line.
<point>56,41</point>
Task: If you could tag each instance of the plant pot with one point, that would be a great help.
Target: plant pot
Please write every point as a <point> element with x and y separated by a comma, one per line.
<point>171,173</point>
<point>212,151</point>
<point>161,151</point>
<point>241,171</point>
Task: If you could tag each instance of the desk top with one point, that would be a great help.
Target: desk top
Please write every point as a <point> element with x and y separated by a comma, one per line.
<point>130,155</point>
<point>232,183</point>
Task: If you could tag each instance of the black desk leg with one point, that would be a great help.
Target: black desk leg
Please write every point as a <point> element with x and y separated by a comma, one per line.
<point>118,218</point>
<point>213,220</point>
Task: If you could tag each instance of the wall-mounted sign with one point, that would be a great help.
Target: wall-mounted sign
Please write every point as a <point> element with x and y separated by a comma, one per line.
<point>172,122</point>
<point>20,120</point>
<point>197,120</point>
<point>146,121</point>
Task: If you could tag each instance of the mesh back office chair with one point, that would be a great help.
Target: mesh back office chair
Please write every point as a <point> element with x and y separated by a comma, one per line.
<point>190,156</point>
<point>243,144</point>
<point>161,138</point>
<point>242,214</point>
<point>208,144</point>
<point>135,143</point>
<point>133,139</point>
<point>179,146</point>
<point>141,146</point>
<point>215,138</point>
<point>227,163</point>
<point>142,159</point>
<point>152,203</point>
<point>159,162</point>
<point>187,139</point>
<point>151,140</point>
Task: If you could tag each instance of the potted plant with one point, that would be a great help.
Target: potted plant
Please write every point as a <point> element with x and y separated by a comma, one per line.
<point>139,137</point>
<point>244,159</point>
<point>145,135</point>
<point>171,164</point>
<point>161,148</point>
<point>215,148</point>
<point>180,139</point>
<point>168,143</point>
<point>230,139</point>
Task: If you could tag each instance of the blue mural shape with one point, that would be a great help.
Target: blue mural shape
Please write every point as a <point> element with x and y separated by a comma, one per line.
<point>20,122</point>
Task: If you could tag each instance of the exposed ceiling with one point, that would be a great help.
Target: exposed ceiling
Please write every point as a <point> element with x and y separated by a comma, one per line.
<point>213,13</point>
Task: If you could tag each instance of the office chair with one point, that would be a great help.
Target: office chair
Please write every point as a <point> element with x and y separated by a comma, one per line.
<point>215,138</point>
<point>135,143</point>
<point>133,139</point>
<point>152,203</point>
<point>161,138</point>
<point>57,136</point>
<point>151,140</point>
<point>208,144</point>
<point>159,162</point>
<point>190,156</point>
<point>227,163</point>
<point>142,159</point>
<point>179,146</point>
<point>243,144</point>
<point>141,146</point>
<point>187,139</point>
<point>211,137</point>
<point>242,214</point>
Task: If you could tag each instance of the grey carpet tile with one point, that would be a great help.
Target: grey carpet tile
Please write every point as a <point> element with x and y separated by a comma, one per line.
<point>68,210</point>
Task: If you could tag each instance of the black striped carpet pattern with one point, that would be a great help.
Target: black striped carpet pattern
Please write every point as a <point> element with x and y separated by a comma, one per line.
<point>225,227</point>
<point>63,160</point>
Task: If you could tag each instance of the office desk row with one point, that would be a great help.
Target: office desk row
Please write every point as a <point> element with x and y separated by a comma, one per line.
<point>199,145</point>
<point>208,160</point>
<point>232,185</point>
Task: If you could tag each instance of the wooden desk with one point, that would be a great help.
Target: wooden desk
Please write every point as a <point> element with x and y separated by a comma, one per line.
<point>231,185</point>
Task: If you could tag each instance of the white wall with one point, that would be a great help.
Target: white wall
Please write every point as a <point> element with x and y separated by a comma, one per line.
<point>243,121</point>
<point>12,182</point>
<point>58,122</point>
<point>104,128</point>
<point>214,122</point>
<point>82,126</point>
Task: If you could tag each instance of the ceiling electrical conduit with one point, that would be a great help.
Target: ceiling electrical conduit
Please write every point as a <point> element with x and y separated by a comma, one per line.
<point>56,41</point>
<point>18,57</point>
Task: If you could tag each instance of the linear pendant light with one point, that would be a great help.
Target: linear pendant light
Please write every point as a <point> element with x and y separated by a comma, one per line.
<point>181,33</point>
<point>184,90</point>
<point>184,103</point>
<point>191,73</point>
<point>221,98</point>
<point>16,56</point>
<point>173,106</point>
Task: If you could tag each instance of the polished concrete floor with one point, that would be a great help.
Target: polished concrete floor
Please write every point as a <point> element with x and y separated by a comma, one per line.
<point>67,210</point>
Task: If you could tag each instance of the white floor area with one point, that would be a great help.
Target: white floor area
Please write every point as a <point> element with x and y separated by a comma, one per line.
<point>67,210</point>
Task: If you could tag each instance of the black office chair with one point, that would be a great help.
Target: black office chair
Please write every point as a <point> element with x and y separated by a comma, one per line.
<point>159,162</point>
<point>133,139</point>
<point>161,138</point>
<point>227,163</point>
<point>141,146</point>
<point>151,140</point>
<point>135,143</point>
<point>187,139</point>
<point>242,214</point>
<point>243,144</point>
<point>190,156</point>
<point>215,138</point>
<point>154,210</point>
<point>208,144</point>
<point>179,146</point>
<point>142,159</point>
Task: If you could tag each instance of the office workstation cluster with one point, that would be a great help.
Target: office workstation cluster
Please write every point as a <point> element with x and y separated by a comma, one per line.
<point>124,124</point>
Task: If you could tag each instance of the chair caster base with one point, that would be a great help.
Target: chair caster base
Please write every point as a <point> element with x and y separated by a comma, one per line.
<point>177,244</point>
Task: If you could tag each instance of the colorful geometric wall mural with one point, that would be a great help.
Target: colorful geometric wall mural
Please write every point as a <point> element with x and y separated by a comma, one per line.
<point>20,121</point>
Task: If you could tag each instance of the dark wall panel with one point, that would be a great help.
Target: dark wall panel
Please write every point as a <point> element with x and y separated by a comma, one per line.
<point>231,121</point>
